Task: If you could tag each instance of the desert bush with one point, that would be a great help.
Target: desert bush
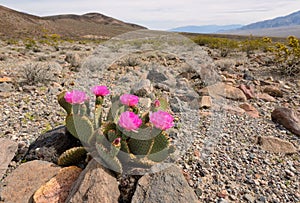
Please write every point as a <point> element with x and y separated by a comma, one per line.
<point>287,56</point>
<point>223,44</point>
<point>40,72</point>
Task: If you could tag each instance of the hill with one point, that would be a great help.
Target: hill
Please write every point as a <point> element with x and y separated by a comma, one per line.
<point>16,24</point>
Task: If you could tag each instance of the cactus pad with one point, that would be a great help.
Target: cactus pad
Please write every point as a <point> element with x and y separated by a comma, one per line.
<point>80,127</point>
<point>72,156</point>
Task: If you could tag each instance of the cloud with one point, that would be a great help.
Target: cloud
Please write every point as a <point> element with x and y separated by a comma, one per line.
<point>164,14</point>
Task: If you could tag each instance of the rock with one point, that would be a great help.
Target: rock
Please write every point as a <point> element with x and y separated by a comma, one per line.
<point>206,102</point>
<point>249,198</point>
<point>20,185</point>
<point>265,97</point>
<point>276,145</point>
<point>8,149</point>
<point>5,79</point>
<point>50,145</point>
<point>233,109</point>
<point>74,60</point>
<point>57,189</point>
<point>142,88</point>
<point>250,110</point>
<point>226,91</point>
<point>288,118</point>
<point>156,76</point>
<point>94,184</point>
<point>248,91</point>
<point>6,87</point>
<point>273,91</point>
<point>168,185</point>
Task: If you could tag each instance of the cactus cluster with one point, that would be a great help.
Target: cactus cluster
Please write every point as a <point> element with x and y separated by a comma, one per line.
<point>123,137</point>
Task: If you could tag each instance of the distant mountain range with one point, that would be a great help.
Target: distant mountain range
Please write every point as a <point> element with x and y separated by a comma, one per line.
<point>278,27</point>
<point>14,24</point>
<point>205,28</point>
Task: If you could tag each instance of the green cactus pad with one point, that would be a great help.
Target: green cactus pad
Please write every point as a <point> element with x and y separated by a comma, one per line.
<point>111,135</point>
<point>160,148</point>
<point>98,116</point>
<point>62,102</point>
<point>80,127</point>
<point>112,162</point>
<point>72,156</point>
<point>140,147</point>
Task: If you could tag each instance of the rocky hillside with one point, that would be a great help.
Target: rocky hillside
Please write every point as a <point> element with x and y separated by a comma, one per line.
<point>94,25</point>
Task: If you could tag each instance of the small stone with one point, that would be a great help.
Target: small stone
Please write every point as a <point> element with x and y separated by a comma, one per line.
<point>57,189</point>
<point>265,97</point>
<point>249,198</point>
<point>250,110</point>
<point>142,88</point>
<point>248,91</point>
<point>8,149</point>
<point>273,91</point>
<point>206,102</point>
<point>276,145</point>
<point>222,194</point>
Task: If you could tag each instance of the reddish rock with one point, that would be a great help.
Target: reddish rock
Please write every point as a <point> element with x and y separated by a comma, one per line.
<point>248,91</point>
<point>20,185</point>
<point>273,91</point>
<point>226,91</point>
<point>57,189</point>
<point>95,184</point>
<point>276,145</point>
<point>288,118</point>
<point>232,109</point>
<point>8,149</point>
<point>265,97</point>
<point>250,110</point>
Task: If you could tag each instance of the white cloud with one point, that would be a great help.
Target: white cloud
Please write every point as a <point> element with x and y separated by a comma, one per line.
<point>164,14</point>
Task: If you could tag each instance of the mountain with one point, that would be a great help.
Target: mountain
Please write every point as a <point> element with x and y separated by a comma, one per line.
<point>205,28</point>
<point>284,21</point>
<point>283,26</point>
<point>16,24</point>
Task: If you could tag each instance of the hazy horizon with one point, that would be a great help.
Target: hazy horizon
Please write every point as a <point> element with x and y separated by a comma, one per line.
<point>164,15</point>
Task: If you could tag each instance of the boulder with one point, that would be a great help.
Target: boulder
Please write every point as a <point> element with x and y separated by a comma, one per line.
<point>142,88</point>
<point>57,189</point>
<point>273,91</point>
<point>95,184</point>
<point>168,185</point>
<point>50,145</point>
<point>21,184</point>
<point>226,91</point>
<point>250,110</point>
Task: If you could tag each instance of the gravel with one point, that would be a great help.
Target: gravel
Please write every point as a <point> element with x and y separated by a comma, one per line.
<point>219,155</point>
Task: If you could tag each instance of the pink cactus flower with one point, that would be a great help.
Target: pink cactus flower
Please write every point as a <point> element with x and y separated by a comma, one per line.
<point>130,121</point>
<point>75,97</point>
<point>100,90</point>
<point>156,103</point>
<point>161,120</point>
<point>129,99</point>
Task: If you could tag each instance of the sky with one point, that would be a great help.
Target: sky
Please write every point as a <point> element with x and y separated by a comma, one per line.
<point>164,14</point>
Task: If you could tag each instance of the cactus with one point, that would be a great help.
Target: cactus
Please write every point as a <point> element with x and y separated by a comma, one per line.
<point>144,146</point>
<point>108,158</point>
<point>72,156</point>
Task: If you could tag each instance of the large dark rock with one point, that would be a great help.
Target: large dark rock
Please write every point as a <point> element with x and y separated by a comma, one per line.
<point>50,145</point>
<point>168,185</point>
<point>288,118</point>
